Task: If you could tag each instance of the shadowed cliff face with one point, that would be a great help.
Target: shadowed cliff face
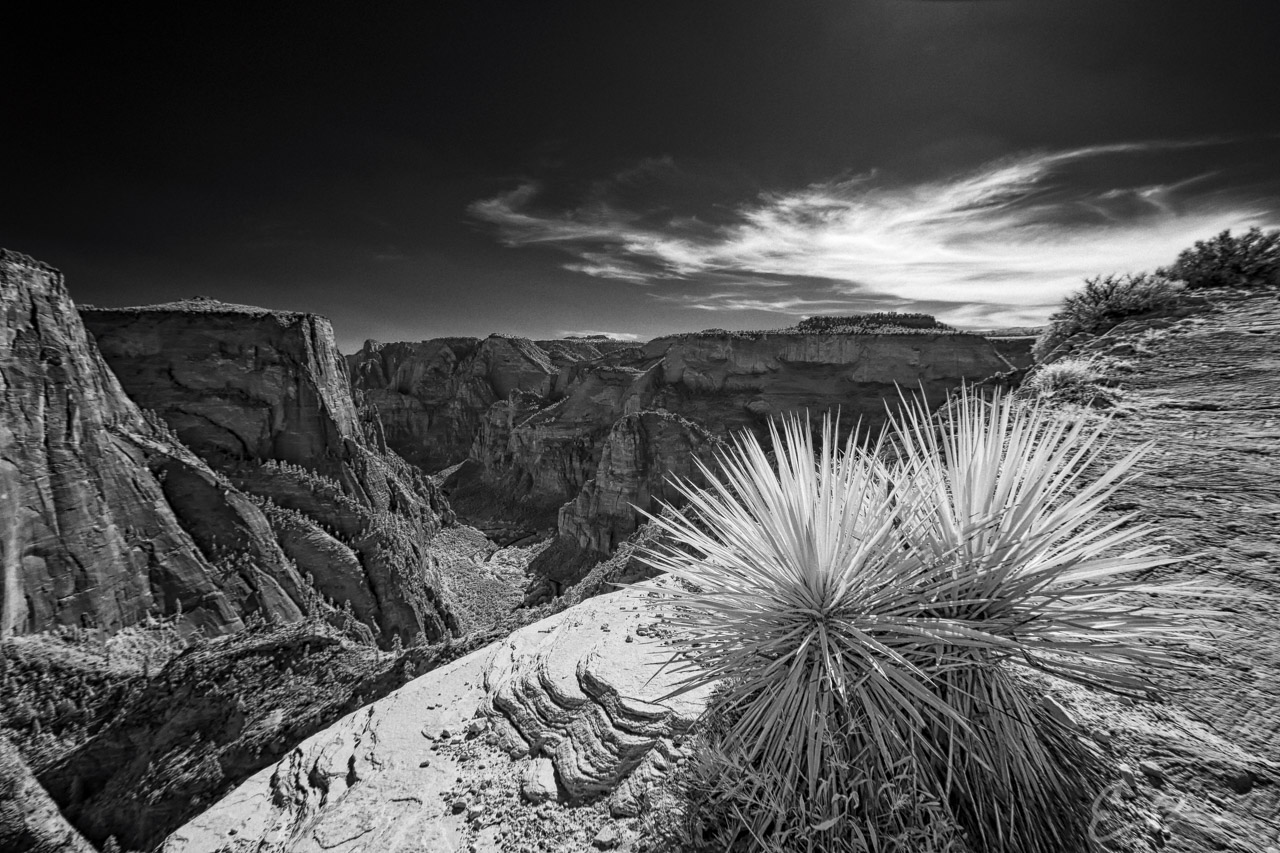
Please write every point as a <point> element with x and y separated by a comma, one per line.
<point>265,399</point>
<point>432,396</point>
<point>241,381</point>
<point>88,529</point>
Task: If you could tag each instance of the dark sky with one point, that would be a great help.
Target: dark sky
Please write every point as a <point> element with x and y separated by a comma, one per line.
<point>544,168</point>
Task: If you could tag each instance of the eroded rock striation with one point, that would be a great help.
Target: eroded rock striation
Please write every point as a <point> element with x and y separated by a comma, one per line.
<point>431,396</point>
<point>265,399</point>
<point>573,690</point>
<point>103,517</point>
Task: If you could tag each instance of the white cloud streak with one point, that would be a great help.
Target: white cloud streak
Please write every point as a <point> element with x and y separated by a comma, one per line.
<point>1002,244</point>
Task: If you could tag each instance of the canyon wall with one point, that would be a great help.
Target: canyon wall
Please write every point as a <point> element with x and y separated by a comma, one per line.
<point>572,436</point>
<point>265,399</point>
<point>432,396</point>
<point>98,504</point>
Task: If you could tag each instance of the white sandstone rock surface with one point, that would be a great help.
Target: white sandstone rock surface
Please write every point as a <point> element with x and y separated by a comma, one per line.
<point>440,764</point>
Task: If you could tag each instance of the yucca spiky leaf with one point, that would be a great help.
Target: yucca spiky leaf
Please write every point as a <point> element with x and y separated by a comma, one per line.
<point>865,613</point>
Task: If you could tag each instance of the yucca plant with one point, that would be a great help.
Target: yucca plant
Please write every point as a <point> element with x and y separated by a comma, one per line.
<point>868,611</point>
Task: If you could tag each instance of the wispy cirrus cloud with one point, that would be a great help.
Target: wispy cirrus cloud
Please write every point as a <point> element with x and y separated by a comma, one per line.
<point>1000,244</point>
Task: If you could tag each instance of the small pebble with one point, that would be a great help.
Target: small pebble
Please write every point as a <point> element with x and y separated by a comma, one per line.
<point>606,839</point>
<point>426,762</point>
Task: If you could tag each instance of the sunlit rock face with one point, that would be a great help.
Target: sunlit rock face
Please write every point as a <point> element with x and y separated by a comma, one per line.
<point>265,398</point>
<point>94,497</point>
<point>581,690</point>
<point>237,380</point>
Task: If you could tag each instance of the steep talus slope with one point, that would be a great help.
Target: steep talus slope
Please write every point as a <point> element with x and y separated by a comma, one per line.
<point>94,498</point>
<point>264,397</point>
<point>1205,390</point>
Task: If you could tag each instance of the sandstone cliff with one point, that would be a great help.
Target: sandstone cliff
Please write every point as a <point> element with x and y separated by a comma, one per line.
<point>431,396</point>
<point>265,399</point>
<point>93,496</point>
<point>638,458</point>
<point>712,384</point>
<point>536,421</point>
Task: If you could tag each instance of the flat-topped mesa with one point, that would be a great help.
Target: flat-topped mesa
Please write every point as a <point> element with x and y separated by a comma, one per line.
<point>234,379</point>
<point>265,397</point>
<point>94,497</point>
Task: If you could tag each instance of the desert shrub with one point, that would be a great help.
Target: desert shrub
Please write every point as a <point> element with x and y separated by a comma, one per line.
<point>1071,380</point>
<point>873,611</point>
<point>1102,304</point>
<point>1249,260</point>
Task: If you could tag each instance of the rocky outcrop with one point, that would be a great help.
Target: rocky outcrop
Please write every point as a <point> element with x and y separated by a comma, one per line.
<point>1016,350</point>
<point>265,399</point>
<point>215,715</point>
<point>431,396</point>
<point>641,455</point>
<point>573,690</point>
<point>235,380</point>
<point>94,497</point>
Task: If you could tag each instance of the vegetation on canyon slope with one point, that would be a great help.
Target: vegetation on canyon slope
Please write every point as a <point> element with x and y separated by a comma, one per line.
<point>1250,260</point>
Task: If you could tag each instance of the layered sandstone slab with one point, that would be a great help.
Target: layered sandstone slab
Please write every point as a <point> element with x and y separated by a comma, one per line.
<point>574,688</point>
